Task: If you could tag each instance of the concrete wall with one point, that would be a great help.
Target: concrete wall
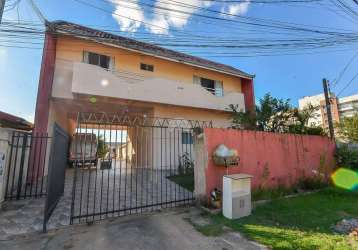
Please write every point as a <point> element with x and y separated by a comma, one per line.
<point>156,148</point>
<point>93,80</point>
<point>72,49</point>
<point>5,138</point>
<point>273,159</point>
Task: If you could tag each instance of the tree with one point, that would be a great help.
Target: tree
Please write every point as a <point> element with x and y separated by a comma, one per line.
<point>102,147</point>
<point>301,119</point>
<point>243,120</point>
<point>275,115</point>
<point>271,115</point>
<point>348,128</point>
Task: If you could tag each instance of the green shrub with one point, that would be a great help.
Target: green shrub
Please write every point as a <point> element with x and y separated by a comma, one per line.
<point>302,185</point>
<point>347,157</point>
<point>315,131</point>
<point>311,183</point>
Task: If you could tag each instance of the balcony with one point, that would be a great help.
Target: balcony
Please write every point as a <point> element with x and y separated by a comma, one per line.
<point>80,78</point>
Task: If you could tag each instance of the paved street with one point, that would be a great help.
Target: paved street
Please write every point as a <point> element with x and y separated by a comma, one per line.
<point>159,231</point>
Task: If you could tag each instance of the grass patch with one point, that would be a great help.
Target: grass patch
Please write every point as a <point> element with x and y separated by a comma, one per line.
<point>184,180</point>
<point>271,194</point>
<point>303,185</point>
<point>302,222</point>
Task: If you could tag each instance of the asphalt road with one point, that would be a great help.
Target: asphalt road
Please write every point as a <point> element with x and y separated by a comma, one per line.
<point>159,231</point>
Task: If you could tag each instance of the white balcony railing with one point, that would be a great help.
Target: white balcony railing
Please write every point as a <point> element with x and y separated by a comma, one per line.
<point>81,78</point>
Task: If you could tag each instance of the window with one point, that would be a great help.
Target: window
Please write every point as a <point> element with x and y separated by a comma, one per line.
<point>208,84</point>
<point>102,61</point>
<point>186,138</point>
<point>147,67</point>
<point>213,86</point>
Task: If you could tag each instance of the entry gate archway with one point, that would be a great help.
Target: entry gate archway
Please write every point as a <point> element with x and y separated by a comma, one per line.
<point>131,164</point>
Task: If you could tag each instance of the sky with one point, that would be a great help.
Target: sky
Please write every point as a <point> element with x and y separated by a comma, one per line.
<point>284,76</point>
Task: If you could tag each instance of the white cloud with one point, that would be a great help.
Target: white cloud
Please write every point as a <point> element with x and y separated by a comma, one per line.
<point>128,15</point>
<point>236,9</point>
<point>175,14</point>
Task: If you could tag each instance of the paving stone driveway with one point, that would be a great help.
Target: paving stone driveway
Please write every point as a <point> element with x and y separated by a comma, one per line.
<point>26,216</point>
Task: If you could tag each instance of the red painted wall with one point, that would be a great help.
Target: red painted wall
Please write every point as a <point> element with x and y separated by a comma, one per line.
<point>287,156</point>
<point>248,90</point>
<point>39,146</point>
<point>45,84</point>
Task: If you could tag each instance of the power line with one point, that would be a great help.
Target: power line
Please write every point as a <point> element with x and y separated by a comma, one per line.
<point>37,11</point>
<point>336,82</point>
<point>347,85</point>
<point>252,46</point>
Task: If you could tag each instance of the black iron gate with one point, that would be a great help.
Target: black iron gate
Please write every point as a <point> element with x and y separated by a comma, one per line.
<point>130,164</point>
<point>26,170</point>
<point>56,174</point>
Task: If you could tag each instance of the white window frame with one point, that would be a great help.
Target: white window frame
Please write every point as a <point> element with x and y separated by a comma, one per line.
<point>218,85</point>
<point>111,65</point>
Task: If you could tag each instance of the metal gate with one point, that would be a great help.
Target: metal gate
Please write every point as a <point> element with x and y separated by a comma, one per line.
<point>56,174</point>
<point>26,171</point>
<point>130,164</point>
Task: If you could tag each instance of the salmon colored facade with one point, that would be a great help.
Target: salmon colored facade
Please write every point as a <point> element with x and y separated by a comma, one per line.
<point>67,83</point>
<point>273,159</point>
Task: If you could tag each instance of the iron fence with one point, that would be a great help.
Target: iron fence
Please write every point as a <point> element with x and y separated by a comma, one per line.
<point>142,164</point>
<point>27,168</point>
<point>56,175</point>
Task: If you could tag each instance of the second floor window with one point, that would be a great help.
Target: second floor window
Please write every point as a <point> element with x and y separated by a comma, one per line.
<point>102,61</point>
<point>147,67</point>
<point>213,86</point>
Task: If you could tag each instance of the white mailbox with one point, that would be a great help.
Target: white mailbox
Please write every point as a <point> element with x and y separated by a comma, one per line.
<point>236,195</point>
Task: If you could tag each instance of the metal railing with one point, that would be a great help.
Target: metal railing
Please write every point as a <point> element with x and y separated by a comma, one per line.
<point>139,162</point>
<point>126,119</point>
<point>215,91</point>
<point>27,169</point>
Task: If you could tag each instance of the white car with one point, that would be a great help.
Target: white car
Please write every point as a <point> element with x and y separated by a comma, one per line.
<point>83,149</point>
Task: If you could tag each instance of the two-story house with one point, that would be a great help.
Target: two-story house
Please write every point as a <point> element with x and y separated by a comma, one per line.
<point>87,70</point>
<point>81,64</point>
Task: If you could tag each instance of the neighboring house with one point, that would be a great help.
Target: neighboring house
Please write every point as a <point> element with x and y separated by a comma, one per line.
<point>87,70</point>
<point>14,122</point>
<point>340,107</point>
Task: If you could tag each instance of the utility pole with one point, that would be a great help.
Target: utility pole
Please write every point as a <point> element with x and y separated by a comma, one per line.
<point>328,107</point>
<point>2,6</point>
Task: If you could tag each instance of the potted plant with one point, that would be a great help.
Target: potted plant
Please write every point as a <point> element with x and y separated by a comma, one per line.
<point>216,198</point>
